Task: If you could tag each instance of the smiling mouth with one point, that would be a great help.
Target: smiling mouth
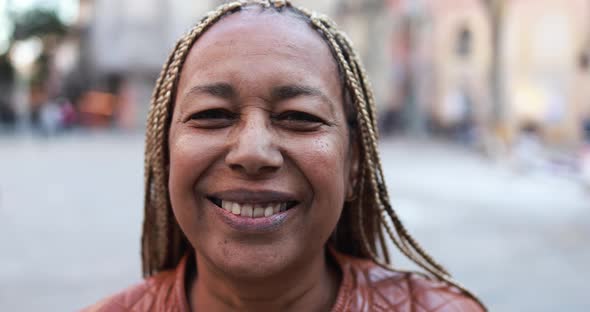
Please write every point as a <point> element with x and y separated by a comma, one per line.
<point>253,210</point>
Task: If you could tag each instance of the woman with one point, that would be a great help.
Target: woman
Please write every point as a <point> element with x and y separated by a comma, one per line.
<point>264,190</point>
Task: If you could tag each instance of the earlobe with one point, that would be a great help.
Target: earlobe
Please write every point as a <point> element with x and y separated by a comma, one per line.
<point>351,195</point>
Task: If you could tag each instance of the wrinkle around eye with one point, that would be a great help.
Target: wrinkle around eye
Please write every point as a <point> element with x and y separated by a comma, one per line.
<point>299,121</point>
<point>214,118</point>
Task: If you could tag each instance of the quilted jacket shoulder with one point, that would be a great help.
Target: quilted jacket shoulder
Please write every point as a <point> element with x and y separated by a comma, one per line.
<point>368,287</point>
<point>164,291</point>
<point>365,286</point>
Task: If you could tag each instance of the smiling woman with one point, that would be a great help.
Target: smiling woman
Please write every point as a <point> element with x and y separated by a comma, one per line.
<point>264,189</point>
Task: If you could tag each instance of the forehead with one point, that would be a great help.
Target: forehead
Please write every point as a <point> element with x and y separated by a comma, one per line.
<point>269,44</point>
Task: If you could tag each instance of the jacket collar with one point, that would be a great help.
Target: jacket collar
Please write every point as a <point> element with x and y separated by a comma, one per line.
<point>343,262</point>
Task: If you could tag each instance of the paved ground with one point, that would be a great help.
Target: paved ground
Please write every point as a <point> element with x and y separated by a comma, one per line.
<point>518,240</point>
<point>70,216</point>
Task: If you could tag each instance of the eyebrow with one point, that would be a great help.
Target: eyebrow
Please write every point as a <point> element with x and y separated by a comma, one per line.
<point>292,91</point>
<point>286,92</point>
<point>280,93</point>
<point>221,89</point>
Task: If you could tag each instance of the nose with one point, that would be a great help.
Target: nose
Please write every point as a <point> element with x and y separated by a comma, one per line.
<point>253,150</point>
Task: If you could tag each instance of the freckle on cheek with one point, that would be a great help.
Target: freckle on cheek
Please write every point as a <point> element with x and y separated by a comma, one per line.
<point>322,145</point>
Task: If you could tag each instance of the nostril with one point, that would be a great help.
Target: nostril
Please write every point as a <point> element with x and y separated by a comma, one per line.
<point>254,170</point>
<point>235,167</point>
<point>254,162</point>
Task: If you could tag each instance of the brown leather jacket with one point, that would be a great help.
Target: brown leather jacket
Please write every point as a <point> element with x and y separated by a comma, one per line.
<point>365,287</point>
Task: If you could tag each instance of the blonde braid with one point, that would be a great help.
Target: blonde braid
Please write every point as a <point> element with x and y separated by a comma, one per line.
<point>163,242</point>
<point>151,199</point>
<point>159,227</point>
<point>367,133</point>
<point>379,184</point>
<point>368,124</point>
<point>368,120</point>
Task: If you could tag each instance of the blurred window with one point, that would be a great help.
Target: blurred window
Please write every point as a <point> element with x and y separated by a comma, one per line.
<point>585,60</point>
<point>464,42</point>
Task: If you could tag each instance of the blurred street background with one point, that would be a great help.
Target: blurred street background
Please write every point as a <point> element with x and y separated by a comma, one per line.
<point>484,109</point>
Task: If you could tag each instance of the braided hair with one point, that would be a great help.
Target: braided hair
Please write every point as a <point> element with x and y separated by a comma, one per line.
<point>366,219</point>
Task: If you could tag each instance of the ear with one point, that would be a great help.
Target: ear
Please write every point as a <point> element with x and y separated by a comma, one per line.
<point>353,178</point>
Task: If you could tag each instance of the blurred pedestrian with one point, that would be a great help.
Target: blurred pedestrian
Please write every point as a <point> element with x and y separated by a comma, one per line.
<point>7,116</point>
<point>528,149</point>
<point>50,117</point>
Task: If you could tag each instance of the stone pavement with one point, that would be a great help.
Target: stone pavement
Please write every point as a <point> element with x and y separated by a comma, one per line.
<point>71,211</point>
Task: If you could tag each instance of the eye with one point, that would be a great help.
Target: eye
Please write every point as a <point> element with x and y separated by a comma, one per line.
<point>212,118</point>
<point>299,121</point>
<point>299,116</point>
<point>216,113</point>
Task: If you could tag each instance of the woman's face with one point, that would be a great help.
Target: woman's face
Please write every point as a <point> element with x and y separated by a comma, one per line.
<point>260,157</point>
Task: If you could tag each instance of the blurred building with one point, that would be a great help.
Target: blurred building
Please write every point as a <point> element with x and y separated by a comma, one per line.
<point>370,25</point>
<point>127,46</point>
<point>459,44</point>
<point>443,67</point>
<point>441,62</point>
<point>431,62</point>
<point>544,77</point>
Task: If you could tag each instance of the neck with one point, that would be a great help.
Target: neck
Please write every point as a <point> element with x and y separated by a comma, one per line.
<point>311,285</point>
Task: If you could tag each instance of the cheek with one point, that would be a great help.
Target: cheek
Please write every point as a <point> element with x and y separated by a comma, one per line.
<point>190,156</point>
<point>324,163</point>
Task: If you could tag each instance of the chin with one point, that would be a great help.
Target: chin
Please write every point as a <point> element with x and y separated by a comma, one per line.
<point>254,261</point>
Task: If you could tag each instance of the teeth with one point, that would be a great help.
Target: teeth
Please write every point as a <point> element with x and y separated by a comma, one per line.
<point>268,211</point>
<point>246,211</point>
<point>253,211</point>
<point>258,211</point>
<point>235,208</point>
<point>226,205</point>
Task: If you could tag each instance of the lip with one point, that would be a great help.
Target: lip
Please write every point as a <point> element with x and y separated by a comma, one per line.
<point>253,225</point>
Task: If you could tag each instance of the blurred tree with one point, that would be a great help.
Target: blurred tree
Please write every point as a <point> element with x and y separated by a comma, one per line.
<point>50,30</point>
<point>38,23</point>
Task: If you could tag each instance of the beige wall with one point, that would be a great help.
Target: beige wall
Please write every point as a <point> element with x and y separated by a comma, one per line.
<point>370,33</point>
<point>320,6</point>
<point>452,72</point>
<point>543,39</point>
